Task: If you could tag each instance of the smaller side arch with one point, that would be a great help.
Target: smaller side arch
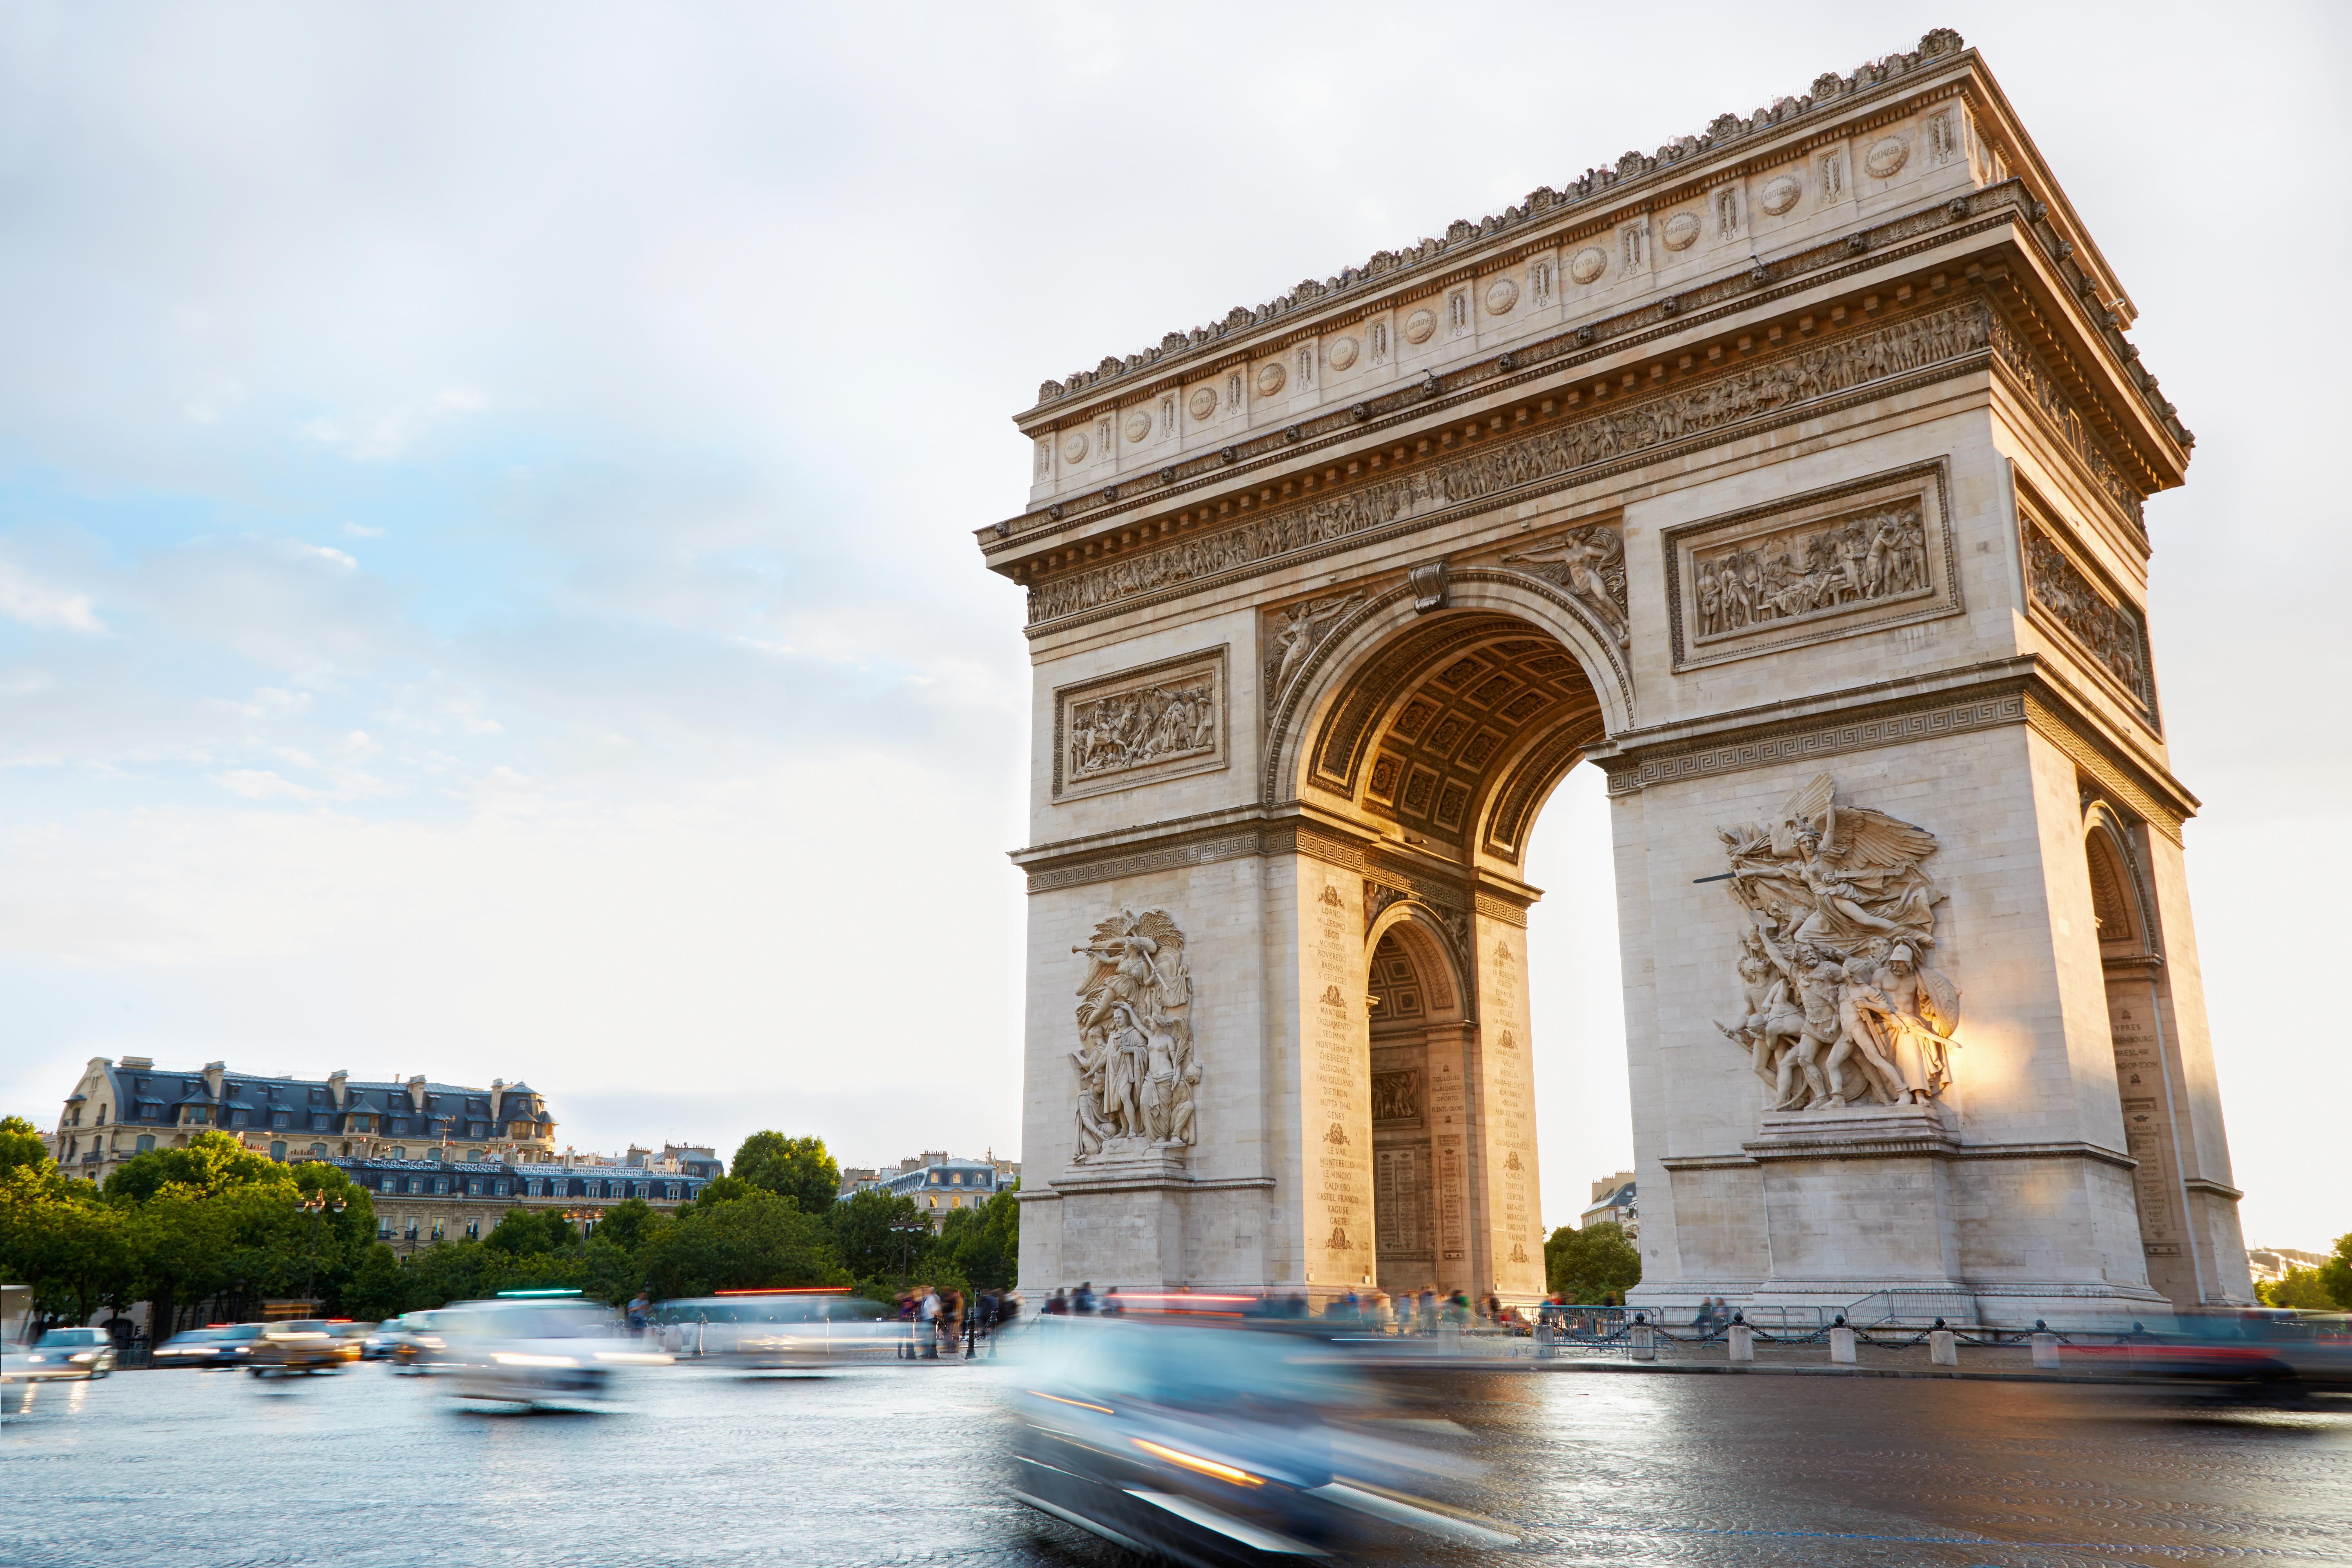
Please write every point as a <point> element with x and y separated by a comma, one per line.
<point>1423,930</point>
<point>2119,892</point>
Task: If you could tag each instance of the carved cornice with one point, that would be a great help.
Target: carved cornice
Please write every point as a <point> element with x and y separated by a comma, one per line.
<point>1828,1146</point>
<point>2007,692</point>
<point>2074,732</point>
<point>1874,80</point>
<point>1775,745</point>
<point>1801,383</point>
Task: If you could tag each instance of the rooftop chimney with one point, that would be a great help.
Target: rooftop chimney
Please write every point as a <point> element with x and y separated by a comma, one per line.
<point>338,1082</point>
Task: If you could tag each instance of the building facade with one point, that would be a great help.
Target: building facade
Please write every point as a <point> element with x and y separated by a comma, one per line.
<point>1612,1204</point>
<point>423,1201</point>
<point>939,1183</point>
<point>121,1108</point>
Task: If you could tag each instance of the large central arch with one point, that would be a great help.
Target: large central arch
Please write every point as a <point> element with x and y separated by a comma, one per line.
<point>1794,477</point>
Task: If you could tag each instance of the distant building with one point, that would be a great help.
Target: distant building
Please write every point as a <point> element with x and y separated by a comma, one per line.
<point>1612,1204</point>
<point>2270,1264</point>
<point>121,1108</point>
<point>939,1183</point>
<point>420,1201</point>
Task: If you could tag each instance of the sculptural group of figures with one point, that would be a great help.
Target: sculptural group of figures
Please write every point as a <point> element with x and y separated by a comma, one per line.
<point>1874,556</point>
<point>1150,724</point>
<point>1136,1070</point>
<point>1841,1007</point>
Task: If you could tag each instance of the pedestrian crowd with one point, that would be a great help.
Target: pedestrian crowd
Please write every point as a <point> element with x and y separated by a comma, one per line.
<point>947,1321</point>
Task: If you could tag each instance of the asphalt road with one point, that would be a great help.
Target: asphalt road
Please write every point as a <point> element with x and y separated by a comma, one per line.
<point>182,1469</point>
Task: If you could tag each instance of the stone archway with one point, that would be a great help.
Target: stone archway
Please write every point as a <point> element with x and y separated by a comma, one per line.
<point>1820,529</point>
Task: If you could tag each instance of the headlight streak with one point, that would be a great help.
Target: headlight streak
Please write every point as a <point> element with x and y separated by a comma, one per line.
<point>1081,1403</point>
<point>1194,1462</point>
<point>521,1358</point>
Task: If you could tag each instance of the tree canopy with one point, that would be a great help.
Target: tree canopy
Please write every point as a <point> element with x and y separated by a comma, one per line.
<point>1591,1264</point>
<point>796,1168</point>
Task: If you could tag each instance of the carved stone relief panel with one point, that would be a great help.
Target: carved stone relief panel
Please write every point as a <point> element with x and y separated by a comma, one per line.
<point>1136,1066</point>
<point>1396,1095</point>
<point>1860,556</point>
<point>1841,1002</point>
<point>1140,726</point>
<point>2088,613</point>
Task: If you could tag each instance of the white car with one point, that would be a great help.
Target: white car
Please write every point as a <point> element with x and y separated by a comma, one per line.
<point>534,1350</point>
<point>781,1329</point>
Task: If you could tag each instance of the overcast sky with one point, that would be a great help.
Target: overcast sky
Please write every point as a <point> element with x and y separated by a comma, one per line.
<point>484,576</point>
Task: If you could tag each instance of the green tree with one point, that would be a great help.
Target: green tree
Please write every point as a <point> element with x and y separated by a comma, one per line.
<point>724,1190</point>
<point>1586,1264</point>
<point>21,1145</point>
<point>378,1288</point>
<point>212,1162</point>
<point>522,1230</point>
<point>877,1235</point>
<point>760,1242</point>
<point>796,1168</point>
<point>984,1243</point>
<point>2301,1288</point>
<point>629,1225</point>
<point>2336,1274</point>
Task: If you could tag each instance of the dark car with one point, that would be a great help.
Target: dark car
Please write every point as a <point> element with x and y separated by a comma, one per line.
<point>69,1353</point>
<point>1217,1446</point>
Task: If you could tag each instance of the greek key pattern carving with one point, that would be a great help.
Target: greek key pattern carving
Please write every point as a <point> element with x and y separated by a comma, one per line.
<point>1830,741</point>
<point>2115,780</point>
<point>1202,852</point>
<point>1795,379</point>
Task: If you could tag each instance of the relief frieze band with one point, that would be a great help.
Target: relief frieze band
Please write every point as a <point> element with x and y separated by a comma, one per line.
<point>1795,383</point>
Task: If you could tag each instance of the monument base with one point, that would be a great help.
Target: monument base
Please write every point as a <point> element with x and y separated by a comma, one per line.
<point>1863,1207</point>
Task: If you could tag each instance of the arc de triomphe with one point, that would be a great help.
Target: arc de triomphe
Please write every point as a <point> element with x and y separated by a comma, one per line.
<point>1793,477</point>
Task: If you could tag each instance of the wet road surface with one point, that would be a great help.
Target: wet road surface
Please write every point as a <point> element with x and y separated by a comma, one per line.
<point>184,1470</point>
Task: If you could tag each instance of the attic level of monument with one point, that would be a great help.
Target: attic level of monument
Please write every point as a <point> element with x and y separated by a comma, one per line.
<point>1990,246</point>
<point>1175,416</point>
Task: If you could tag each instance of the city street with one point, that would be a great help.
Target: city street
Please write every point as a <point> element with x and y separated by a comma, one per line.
<point>174,1469</point>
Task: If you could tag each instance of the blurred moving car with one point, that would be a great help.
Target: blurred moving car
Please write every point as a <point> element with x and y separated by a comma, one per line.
<point>414,1344</point>
<point>195,1347</point>
<point>1220,1445</point>
<point>304,1345</point>
<point>534,1350</point>
<point>771,1330</point>
<point>69,1353</point>
<point>2272,1345</point>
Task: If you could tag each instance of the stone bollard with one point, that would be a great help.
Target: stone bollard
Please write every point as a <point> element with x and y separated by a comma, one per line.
<point>1943,1349</point>
<point>1644,1340</point>
<point>2045,1351</point>
<point>1742,1340</point>
<point>1543,1338</point>
<point>1842,1345</point>
<point>1449,1337</point>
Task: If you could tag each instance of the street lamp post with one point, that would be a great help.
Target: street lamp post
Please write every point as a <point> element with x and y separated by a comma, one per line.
<point>320,1205</point>
<point>583,1216</point>
<point>908,1229</point>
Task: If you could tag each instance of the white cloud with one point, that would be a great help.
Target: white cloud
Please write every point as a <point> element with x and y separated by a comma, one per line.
<point>37,603</point>
<point>362,530</point>
<point>260,784</point>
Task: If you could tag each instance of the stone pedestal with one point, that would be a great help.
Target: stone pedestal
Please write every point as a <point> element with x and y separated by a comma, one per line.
<point>1841,1346</point>
<point>1742,1340</point>
<point>2045,1352</point>
<point>1943,1349</point>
